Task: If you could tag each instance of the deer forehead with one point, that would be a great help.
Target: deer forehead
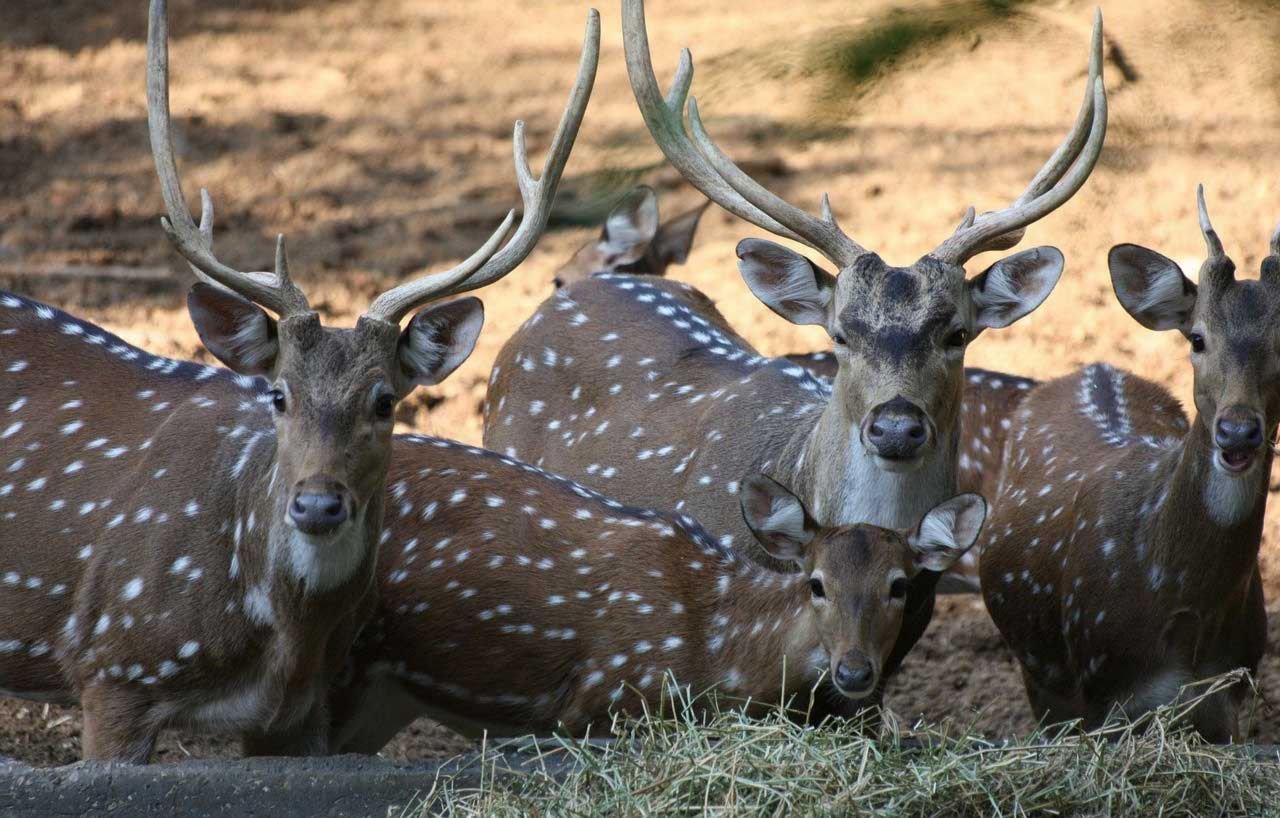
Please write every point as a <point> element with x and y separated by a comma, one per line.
<point>860,553</point>
<point>330,363</point>
<point>873,297</point>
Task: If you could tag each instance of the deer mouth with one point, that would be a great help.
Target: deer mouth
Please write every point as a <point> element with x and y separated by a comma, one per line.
<point>1236,461</point>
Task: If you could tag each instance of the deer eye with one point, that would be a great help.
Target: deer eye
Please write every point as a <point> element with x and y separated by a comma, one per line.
<point>899,588</point>
<point>384,405</point>
<point>815,588</point>
<point>839,339</point>
<point>278,401</point>
<point>957,338</point>
<point>1197,341</point>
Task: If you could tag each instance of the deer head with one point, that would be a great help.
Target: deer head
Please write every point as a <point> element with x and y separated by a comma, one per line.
<point>1233,328</point>
<point>633,241</point>
<point>858,575</point>
<point>899,333</point>
<point>334,391</point>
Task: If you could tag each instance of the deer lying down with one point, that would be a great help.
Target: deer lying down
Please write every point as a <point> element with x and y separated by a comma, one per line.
<point>185,545</point>
<point>513,600</point>
<point>1121,561</point>
<point>633,241</point>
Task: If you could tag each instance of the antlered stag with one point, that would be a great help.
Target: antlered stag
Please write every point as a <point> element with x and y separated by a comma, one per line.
<point>207,541</point>
<point>633,242</point>
<point>637,387</point>
<point>1121,561</point>
<point>512,600</point>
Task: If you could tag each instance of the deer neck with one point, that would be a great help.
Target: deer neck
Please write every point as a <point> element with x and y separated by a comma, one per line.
<point>760,620</point>
<point>841,483</point>
<point>282,572</point>
<point>1207,525</point>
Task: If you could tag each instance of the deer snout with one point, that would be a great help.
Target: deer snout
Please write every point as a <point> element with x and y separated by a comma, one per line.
<point>1238,435</point>
<point>855,675</point>
<point>319,507</point>
<point>897,429</point>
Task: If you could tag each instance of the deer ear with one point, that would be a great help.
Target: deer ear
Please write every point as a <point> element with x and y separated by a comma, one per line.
<point>787,282</point>
<point>437,341</point>
<point>1151,287</point>
<point>630,227</point>
<point>671,245</point>
<point>237,331</point>
<point>1014,286</point>
<point>777,518</point>
<point>947,531</point>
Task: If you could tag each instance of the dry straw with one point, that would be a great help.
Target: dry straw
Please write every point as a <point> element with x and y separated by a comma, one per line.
<point>690,762</point>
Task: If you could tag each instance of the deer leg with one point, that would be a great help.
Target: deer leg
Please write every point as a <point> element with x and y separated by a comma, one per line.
<point>372,714</point>
<point>1048,707</point>
<point>116,726</point>
<point>308,736</point>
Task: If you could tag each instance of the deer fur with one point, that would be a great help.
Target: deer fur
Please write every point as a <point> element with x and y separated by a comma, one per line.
<point>512,600</point>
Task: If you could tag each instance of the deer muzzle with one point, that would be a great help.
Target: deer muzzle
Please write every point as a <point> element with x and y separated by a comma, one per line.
<point>319,506</point>
<point>855,675</point>
<point>1237,434</point>
<point>897,430</point>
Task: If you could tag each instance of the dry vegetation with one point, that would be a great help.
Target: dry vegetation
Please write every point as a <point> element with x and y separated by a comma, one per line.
<point>730,765</point>
<point>376,136</point>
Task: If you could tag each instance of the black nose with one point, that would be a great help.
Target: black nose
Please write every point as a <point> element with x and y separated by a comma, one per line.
<point>1234,433</point>
<point>318,512</point>
<point>854,675</point>
<point>898,429</point>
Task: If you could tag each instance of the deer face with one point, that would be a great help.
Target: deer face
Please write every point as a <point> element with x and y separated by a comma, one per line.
<point>333,394</point>
<point>633,241</point>
<point>1233,329</point>
<point>899,333</point>
<point>858,576</point>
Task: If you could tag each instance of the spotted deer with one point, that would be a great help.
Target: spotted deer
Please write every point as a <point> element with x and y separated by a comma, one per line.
<point>638,387</point>
<point>219,592</point>
<point>633,240</point>
<point>989,399</point>
<point>1121,561</point>
<point>513,600</point>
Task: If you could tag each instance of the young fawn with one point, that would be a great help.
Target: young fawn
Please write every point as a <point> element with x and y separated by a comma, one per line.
<point>220,592</point>
<point>1121,561</point>
<point>513,600</point>
<point>633,240</point>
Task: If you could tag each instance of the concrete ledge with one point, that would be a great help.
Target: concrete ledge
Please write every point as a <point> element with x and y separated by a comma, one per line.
<point>332,787</point>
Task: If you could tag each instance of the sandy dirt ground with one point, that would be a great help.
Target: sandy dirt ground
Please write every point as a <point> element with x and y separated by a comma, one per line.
<point>376,136</point>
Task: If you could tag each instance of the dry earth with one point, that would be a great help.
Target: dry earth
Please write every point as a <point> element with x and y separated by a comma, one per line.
<point>376,136</point>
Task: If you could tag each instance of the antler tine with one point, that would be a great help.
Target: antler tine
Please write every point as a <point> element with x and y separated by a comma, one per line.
<point>823,235</point>
<point>1211,240</point>
<point>665,119</point>
<point>1057,180</point>
<point>488,264</point>
<point>277,293</point>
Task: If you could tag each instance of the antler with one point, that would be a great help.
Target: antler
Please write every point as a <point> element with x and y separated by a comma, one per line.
<point>705,166</point>
<point>1211,241</point>
<point>273,291</point>
<point>537,195</point>
<point>1059,179</point>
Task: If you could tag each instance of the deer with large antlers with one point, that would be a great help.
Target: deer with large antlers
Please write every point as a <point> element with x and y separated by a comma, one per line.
<point>220,592</point>
<point>633,241</point>
<point>1121,562</point>
<point>512,600</point>
<point>637,387</point>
